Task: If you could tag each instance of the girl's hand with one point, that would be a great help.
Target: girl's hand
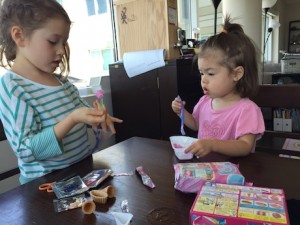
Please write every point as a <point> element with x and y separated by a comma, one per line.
<point>81,115</point>
<point>88,116</point>
<point>176,105</point>
<point>109,120</point>
<point>200,148</point>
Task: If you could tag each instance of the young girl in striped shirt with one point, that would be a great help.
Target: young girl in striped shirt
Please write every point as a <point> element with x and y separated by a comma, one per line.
<point>44,118</point>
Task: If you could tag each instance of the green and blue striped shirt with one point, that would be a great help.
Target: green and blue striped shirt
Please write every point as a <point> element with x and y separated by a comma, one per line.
<point>29,112</point>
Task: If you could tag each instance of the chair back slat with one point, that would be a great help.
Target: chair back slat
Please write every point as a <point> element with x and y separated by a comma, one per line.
<point>2,134</point>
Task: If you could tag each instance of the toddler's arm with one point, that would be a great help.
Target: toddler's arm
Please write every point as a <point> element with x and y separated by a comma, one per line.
<point>239,147</point>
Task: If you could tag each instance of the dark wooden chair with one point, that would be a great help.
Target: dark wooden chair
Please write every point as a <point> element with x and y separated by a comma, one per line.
<point>2,134</point>
<point>277,95</point>
<point>272,96</point>
<point>12,172</point>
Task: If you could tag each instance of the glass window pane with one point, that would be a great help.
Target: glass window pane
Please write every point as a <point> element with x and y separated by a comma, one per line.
<point>91,38</point>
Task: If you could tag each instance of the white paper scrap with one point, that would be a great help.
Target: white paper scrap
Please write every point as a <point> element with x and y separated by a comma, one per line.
<point>136,63</point>
<point>291,144</point>
<point>122,218</point>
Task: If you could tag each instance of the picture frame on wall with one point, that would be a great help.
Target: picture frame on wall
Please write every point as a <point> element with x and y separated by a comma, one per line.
<point>294,37</point>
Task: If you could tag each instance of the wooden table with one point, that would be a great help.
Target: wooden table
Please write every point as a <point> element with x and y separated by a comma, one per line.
<point>27,205</point>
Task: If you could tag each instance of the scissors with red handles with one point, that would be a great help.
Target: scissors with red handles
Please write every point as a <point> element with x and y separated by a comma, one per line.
<point>47,186</point>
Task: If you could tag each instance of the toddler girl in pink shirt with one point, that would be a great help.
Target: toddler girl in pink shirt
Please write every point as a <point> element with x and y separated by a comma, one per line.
<point>228,122</point>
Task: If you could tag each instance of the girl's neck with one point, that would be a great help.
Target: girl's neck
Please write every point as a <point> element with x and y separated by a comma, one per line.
<point>225,101</point>
<point>32,73</point>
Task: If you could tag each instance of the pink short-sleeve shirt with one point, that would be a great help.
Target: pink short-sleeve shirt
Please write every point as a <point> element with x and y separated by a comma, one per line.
<point>244,117</point>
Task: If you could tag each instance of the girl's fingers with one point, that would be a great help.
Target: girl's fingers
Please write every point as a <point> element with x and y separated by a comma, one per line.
<point>97,105</point>
<point>111,126</point>
<point>104,126</point>
<point>116,120</point>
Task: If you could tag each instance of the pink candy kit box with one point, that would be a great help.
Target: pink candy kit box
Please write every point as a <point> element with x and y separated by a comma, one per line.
<point>222,204</point>
<point>190,176</point>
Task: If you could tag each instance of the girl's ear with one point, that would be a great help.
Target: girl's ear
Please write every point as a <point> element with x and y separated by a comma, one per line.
<point>18,36</point>
<point>238,73</point>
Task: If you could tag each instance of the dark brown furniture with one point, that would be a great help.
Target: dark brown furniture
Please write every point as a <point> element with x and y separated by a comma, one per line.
<point>27,205</point>
<point>286,78</point>
<point>272,96</point>
<point>276,95</point>
<point>144,101</point>
<point>12,172</point>
<point>2,134</point>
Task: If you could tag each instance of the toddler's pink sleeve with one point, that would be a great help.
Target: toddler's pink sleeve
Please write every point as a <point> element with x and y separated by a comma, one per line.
<point>251,121</point>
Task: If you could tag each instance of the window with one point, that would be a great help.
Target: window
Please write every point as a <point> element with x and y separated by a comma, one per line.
<point>91,38</point>
<point>198,14</point>
<point>268,42</point>
<point>96,7</point>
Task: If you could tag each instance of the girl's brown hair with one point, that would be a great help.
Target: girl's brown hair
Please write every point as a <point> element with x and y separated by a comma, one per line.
<point>238,50</point>
<point>30,15</point>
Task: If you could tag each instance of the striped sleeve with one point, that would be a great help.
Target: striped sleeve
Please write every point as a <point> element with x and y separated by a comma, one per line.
<point>22,125</point>
<point>44,146</point>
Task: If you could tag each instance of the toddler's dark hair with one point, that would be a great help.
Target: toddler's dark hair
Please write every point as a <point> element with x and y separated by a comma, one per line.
<point>29,15</point>
<point>238,50</point>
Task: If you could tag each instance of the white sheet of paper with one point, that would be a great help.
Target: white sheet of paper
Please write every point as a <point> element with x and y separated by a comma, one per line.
<point>136,63</point>
<point>291,144</point>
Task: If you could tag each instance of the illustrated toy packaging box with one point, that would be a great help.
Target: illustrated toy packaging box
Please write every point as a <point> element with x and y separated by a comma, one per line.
<point>222,204</point>
<point>190,176</point>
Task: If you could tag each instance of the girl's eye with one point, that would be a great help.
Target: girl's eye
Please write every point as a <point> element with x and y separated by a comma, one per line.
<point>52,42</point>
<point>207,74</point>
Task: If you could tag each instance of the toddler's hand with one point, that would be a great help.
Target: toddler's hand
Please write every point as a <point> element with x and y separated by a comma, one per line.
<point>200,148</point>
<point>176,105</point>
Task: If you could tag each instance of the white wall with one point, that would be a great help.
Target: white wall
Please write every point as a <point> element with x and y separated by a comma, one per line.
<point>248,14</point>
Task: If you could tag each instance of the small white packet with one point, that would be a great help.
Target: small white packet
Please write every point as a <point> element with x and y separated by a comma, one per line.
<point>68,203</point>
<point>95,177</point>
<point>71,187</point>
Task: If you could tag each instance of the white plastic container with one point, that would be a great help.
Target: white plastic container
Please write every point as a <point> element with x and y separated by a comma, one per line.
<point>179,144</point>
<point>290,63</point>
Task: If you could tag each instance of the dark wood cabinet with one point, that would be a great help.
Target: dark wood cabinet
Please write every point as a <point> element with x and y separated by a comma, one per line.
<point>280,96</point>
<point>144,101</point>
<point>286,78</point>
<point>269,97</point>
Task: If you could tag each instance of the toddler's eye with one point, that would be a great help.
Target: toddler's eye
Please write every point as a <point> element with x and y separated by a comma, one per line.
<point>52,42</point>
